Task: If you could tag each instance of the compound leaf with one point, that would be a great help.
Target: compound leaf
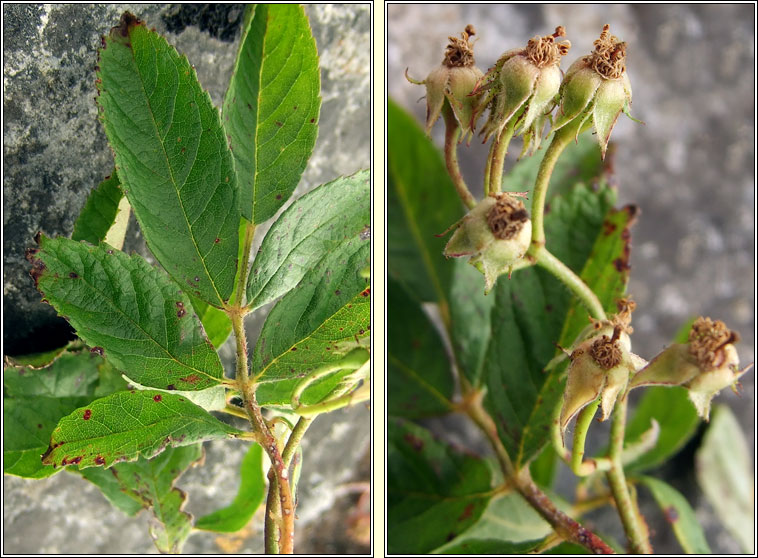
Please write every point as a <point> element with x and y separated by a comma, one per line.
<point>127,424</point>
<point>249,497</point>
<point>313,226</point>
<point>149,484</point>
<point>128,311</point>
<point>315,324</point>
<point>172,158</point>
<point>272,105</point>
<point>435,493</point>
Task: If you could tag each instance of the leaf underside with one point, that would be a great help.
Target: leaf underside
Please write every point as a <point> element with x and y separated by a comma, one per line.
<point>316,224</point>
<point>99,212</point>
<point>149,484</point>
<point>317,323</point>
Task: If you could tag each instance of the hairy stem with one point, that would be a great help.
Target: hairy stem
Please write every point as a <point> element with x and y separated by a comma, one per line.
<point>452,133</point>
<point>497,153</point>
<point>563,524</point>
<point>636,531</point>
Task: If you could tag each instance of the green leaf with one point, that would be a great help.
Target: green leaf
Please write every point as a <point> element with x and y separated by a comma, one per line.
<point>249,497</point>
<point>149,484</point>
<point>572,548</point>
<point>435,493</point>
<point>172,158</point>
<point>272,106</point>
<point>129,312</point>
<point>105,209</point>
<point>676,416</point>
<point>489,546</point>
<point>36,399</point>
<point>36,360</point>
<point>313,226</point>
<point>543,467</point>
<point>421,204</point>
<point>418,370</point>
<point>127,424</point>
<point>470,327</point>
<point>680,515</point>
<point>533,311</point>
<point>315,324</point>
<point>210,399</point>
<point>726,477</point>
<point>508,519</point>
<point>216,323</point>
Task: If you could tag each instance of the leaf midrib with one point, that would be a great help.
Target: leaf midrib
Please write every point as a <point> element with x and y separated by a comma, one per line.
<point>139,327</point>
<point>165,154</point>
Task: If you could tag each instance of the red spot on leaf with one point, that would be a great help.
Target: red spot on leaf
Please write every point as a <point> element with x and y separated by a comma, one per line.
<point>181,312</point>
<point>415,442</point>
<point>171,387</point>
<point>293,349</point>
<point>366,292</point>
<point>671,514</point>
<point>191,379</point>
<point>157,398</point>
<point>467,512</point>
<point>75,460</point>
<point>73,275</point>
<point>278,196</point>
<point>278,123</point>
<point>98,350</point>
<point>313,120</point>
<point>87,414</point>
<point>39,426</point>
<point>217,240</point>
<point>99,460</point>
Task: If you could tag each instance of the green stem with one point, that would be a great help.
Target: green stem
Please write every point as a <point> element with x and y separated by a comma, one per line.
<point>559,143</point>
<point>452,133</point>
<point>488,170</point>
<point>575,284</point>
<point>580,467</point>
<point>497,153</point>
<point>636,531</point>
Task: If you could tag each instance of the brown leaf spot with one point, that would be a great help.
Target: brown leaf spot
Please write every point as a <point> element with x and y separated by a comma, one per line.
<point>191,379</point>
<point>73,275</point>
<point>99,460</point>
<point>98,350</point>
<point>181,312</point>
<point>87,414</point>
<point>671,514</point>
<point>279,124</point>
<point>467,512</point>
<point>157,398</point>
<point>415,442</point>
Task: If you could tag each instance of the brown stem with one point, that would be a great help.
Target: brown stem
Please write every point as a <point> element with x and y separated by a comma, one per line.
<point>563,524</point>
<point>452,132</point>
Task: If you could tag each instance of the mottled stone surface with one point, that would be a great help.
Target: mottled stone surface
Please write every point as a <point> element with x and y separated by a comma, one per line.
<point>55,152</point>
<point>690,168</point>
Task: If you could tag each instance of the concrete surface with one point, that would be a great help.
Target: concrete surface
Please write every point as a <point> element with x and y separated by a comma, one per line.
<point>690,167</point>
<point>55,152</point>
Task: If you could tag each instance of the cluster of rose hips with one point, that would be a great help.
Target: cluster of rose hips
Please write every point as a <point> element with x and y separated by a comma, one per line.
<point>522,91</point>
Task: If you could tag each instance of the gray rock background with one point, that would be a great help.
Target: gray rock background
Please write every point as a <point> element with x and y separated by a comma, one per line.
<point>690,168</point>
<point>55,152</point>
